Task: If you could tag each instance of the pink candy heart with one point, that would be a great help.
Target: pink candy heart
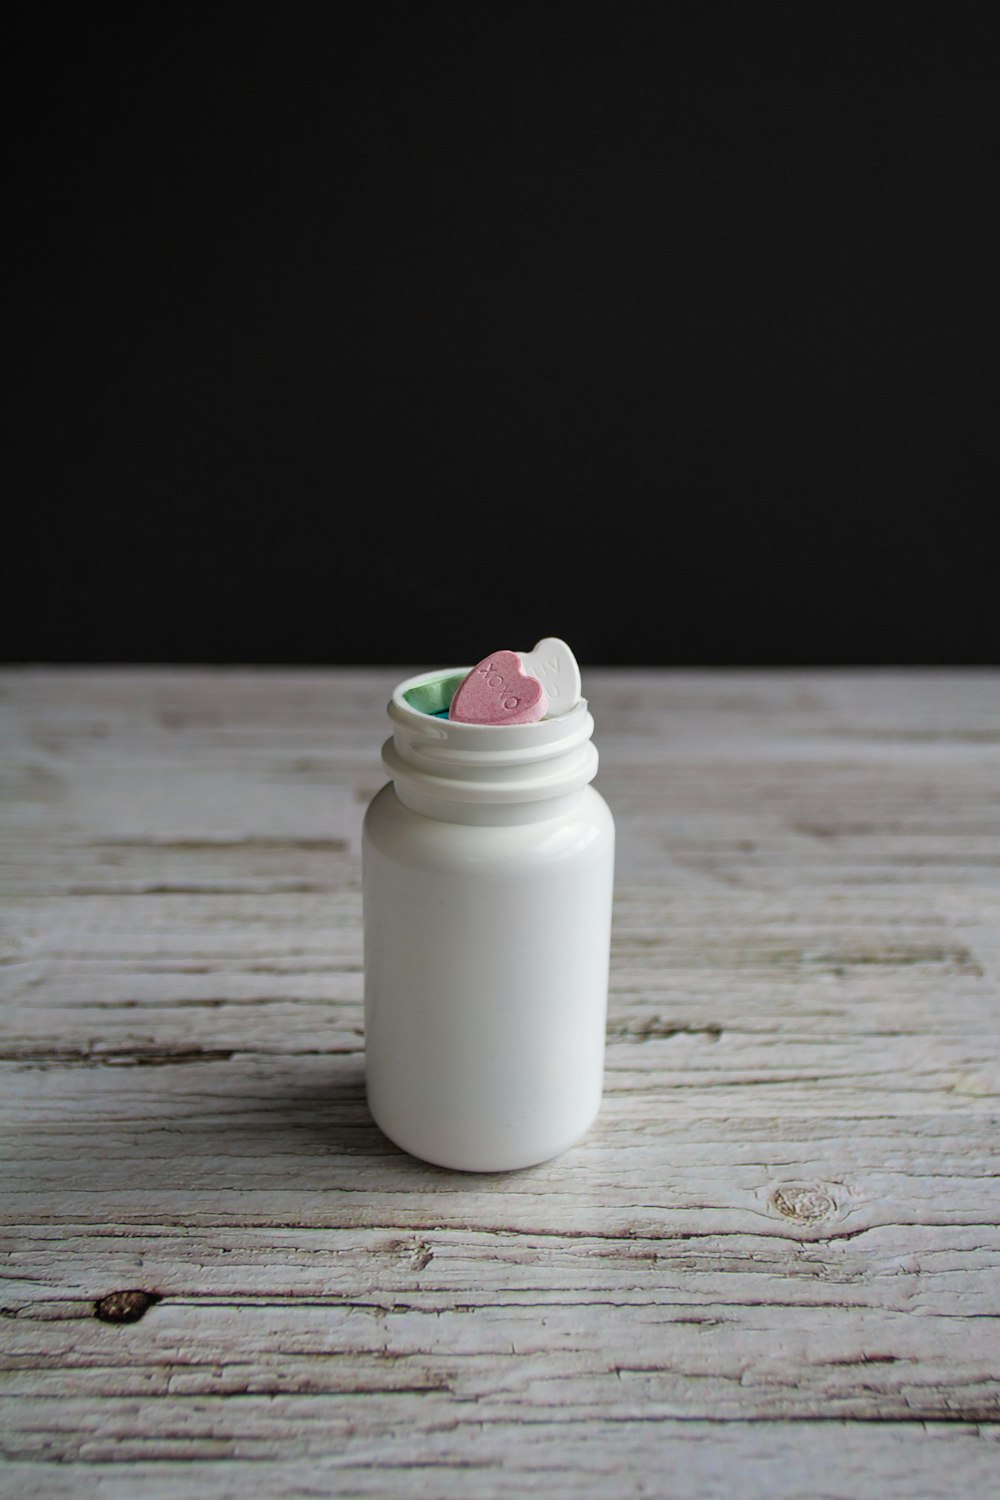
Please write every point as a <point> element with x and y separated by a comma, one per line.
<point>498,691</point>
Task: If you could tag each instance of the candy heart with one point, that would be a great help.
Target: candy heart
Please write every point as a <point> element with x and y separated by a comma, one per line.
<point>555,666</point>
<point>496,691</point>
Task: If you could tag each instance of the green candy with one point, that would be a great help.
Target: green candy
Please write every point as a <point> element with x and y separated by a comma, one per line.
<point>435,697</point>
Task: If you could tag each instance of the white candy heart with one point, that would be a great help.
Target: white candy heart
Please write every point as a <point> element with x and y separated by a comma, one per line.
<point>555,666</point>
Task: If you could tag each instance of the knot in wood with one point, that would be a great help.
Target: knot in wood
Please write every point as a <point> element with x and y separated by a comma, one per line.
<point>803,1203</point>
<point>124,1307</point>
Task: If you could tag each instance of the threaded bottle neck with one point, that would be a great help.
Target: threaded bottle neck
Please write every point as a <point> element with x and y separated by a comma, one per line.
<point>472,772</point>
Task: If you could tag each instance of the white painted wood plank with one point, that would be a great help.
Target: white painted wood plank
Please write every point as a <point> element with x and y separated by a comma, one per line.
<point>686,1460</point>
<point>788,1209</point>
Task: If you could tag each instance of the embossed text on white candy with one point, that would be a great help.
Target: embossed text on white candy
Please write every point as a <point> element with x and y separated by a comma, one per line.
<point>555,666</point>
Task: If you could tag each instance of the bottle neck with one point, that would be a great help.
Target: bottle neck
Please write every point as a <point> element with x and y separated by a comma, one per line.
<point>485,773</point>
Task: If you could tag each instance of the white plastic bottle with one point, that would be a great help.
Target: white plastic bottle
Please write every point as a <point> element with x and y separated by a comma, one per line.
<point>488,871</point>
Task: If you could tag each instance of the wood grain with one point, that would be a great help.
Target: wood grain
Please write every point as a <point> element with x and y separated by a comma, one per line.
<point>770,1270</point>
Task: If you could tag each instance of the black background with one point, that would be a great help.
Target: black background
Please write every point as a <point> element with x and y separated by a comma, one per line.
<point>401,333</point>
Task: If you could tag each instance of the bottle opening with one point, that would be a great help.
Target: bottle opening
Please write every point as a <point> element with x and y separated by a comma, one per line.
<point>432,696</point>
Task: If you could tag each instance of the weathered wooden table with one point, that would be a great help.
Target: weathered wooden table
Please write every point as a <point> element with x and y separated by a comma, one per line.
<point>770,1270</point>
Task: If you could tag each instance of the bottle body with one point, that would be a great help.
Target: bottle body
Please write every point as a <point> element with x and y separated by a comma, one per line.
<point>486,975</point>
